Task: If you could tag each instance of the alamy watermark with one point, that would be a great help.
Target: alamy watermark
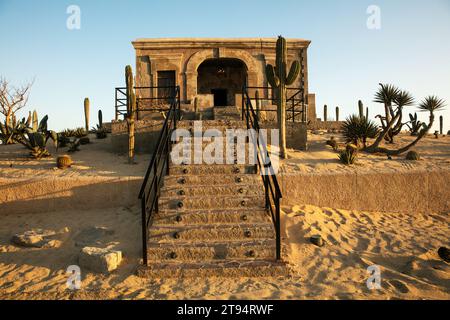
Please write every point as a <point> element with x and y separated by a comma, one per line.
<point>74,280</point>
<point>73,21</point>
<point>374,19</point>
<point>234,146</point>
<point>374,280</point>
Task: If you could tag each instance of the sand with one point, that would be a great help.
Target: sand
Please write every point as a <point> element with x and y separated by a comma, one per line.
<point>404,246</point>
<point>320,158</point>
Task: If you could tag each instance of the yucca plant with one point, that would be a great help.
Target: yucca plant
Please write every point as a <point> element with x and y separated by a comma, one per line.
<point>430,104</point>
<point>358,129</point>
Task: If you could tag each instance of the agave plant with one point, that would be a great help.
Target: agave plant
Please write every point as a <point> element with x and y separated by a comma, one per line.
<point>9,131</point>
<point>358,129</point>
<point>35,139</point>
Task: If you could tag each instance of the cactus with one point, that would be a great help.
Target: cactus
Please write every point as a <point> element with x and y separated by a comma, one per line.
<point>86,114</point>
<point>367,112</point>
<point>35,121</point>
<point>278,79</point>
<point>361,109</point>
<point>100,119</point>
<point>415,124</point>
<point>441,125</point>
<point>325,113</point>
<point>258,105</point>
<point>100,131</point>
<point>412,155</point>
<point>64,161</point>
<point>337,113</point>
<point>131,112</point>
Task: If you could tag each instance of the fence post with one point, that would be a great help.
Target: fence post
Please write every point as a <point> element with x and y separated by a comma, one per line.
<point>277,227</point>
<point>144,230</point>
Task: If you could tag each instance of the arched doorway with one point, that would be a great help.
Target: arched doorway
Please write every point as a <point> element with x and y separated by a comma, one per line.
<point>222,77</point>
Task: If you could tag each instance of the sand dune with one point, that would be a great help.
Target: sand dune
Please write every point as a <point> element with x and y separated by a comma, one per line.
<point>404,246</point>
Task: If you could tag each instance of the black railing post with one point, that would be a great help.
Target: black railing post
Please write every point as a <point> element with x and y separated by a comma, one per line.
<point>266,187</point>
<point>277,226</point>
<point>242,105</point>
<point>144,230</point>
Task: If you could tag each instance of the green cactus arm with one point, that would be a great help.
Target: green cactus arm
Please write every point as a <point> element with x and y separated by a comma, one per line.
<point>100,118</point>
<point>293,73</point>
<point>273,80</point>
<point>43,124</point>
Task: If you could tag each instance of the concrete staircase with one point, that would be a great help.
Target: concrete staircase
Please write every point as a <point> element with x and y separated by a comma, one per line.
<point>212,221</point>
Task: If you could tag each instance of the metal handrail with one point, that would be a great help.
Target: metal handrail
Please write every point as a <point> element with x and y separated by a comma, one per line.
<point>121,100</point>
<point>271,187</point>
<point>292,103</point>
<point>157,169</point>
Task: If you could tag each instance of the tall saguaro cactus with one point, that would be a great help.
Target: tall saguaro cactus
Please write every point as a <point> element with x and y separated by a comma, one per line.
<point>441,125</point>
<point>361,109</point>
<point>86,114</point>
<point>278,79</point>
<point>131,112</point>
<point>325,113</point>
<point>337,113</point>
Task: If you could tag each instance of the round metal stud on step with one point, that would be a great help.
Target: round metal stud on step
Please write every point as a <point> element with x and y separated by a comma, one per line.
<point>251,254</point>
<point>179,219</point>
<point>244,217</point>
<point>181,193</point>
<point>182,181</point>
<point>239,180</point>
<point>185,171</point>
<point>176,235</point>
<point>248,234</point>
<point>241,190</point>
<point>180,204</point>
<point>173,255</point>
<point>243,203</point>
<point>237,170</point>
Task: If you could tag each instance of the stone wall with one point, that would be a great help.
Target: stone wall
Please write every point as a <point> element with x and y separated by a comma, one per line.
<point>414,192</point>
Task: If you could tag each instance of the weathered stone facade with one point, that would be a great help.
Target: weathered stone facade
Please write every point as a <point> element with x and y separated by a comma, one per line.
<point>217,67</point>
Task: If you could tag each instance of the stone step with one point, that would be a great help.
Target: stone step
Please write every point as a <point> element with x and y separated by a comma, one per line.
<point>225,268</point>
<point>210,180</point>
<point>205,169</point>
<point>208,124</point>
<point>209,216</point>
<point>213,190</point>
<point>214,202</point>
<point>210,232</point>
<point>211,251</point>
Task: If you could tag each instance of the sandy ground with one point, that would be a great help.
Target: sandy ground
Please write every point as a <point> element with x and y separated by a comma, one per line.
<point>404,246</point>
<point>320,158</point>
<point>94,159</point>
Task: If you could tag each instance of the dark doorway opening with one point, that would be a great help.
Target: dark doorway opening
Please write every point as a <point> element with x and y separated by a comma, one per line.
<point>166,85</point>
<point>222,76</point>
<point>220,97</point>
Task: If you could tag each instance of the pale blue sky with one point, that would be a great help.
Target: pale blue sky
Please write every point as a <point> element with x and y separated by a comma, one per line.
<point>346,59</point>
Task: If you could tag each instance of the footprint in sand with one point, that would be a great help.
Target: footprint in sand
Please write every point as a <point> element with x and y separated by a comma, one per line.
<point>399,285</point>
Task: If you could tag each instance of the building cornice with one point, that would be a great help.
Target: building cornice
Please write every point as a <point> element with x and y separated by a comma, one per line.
<point>236,43</point>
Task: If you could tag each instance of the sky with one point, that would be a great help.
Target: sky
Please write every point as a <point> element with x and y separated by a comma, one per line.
<point>347,60</point>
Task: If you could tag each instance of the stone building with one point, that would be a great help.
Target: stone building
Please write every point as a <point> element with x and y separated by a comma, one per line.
<point>214,70</point>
